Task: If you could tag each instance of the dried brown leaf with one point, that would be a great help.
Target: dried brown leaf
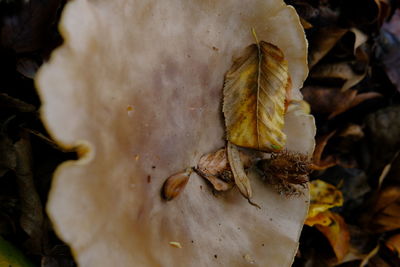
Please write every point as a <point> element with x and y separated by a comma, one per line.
<point>215,168</point>
<point>255,91</point>
<point>241,179</point>
<point>393,243</point>
<point>386,210</point>
<point>333,101</point>
<point>32,216</point>
<point>337,234</point>
<point>327,162</point>
<point>325,39</point>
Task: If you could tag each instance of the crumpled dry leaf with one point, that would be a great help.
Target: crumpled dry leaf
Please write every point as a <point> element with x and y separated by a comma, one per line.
<point>337,234</point>
<point>324,196</point>
<point>351,60</point>
<point>159,61</point>
<point>320,163</point>
<point>215,168</point>
<point>385,214</point>
<point>394,243</point>
<point>255,90</point>
<point>325,39</point>
<point>332,101</point>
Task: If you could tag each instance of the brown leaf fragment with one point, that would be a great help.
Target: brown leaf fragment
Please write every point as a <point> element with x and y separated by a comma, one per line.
<point>255,90</point>
<point>241,179</point>
<point>353,131</point>
<point>32,217</point>
<point>355,101</point>
<point>306,25</point>
<point>386,211</point>
<point>327,162</point>
<point>215,168</point>
<point>175,184</point>
<point>337,234</point>
<point>393,243</point>
<point>324,40</point>
<point>341,71</point>
<point>332,101</point>
<point>9,102</point>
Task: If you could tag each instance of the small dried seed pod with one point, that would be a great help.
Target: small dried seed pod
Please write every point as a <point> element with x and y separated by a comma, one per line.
<point>286,169</point>
<point>175,184</point>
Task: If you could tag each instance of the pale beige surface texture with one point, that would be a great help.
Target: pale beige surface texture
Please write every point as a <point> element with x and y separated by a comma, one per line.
<point>139,84</point>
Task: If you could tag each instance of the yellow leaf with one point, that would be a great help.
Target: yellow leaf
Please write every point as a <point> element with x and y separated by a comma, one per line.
<point>337,234</point>
<point>323,197</point>
<point>321,218</point>
<point>10,256</point>
<point>254,98</point>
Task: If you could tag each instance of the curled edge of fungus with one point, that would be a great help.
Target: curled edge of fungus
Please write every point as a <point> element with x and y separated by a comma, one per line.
<point>99,204</point>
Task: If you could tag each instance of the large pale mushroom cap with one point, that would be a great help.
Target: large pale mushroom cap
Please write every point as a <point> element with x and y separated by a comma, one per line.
<point>138,85</point>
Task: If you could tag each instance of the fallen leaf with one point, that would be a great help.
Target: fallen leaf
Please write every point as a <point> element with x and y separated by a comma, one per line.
<point>332,101</point>
<point>325,39</point>
<point>324,196</point>
<point>322,218</point>
<point>9,102</point>
<point>353,131</point>
<point>215,168</point>
<point>255,90</point>
<point>341,71</point>
<point>11,256</point>
<point>236,164</point>
<point>32,216</point>
<point>337,234</point>
<point>385,213</point>
<point>320,163</point>
<point>393,243</point>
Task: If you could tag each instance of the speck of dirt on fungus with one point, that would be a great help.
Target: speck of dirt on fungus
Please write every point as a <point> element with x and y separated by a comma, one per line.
<point>215,256</point>
<point>175,244</point>
<point>153,167</point>
<point>148,179</point>
<point>201,187</point>
<point>262,244</point>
